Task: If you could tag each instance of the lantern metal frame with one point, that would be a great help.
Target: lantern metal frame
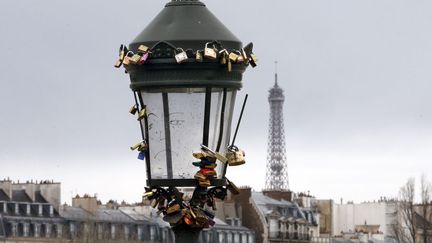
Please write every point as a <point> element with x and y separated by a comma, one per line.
<point>193,27</point>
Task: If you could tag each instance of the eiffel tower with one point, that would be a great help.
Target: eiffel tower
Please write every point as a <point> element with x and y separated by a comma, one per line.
<point>277,172</point>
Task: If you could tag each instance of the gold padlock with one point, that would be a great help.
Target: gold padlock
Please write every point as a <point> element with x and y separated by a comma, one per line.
<point>240,59</point>
<point>235,156</point>
<point>118,63</point>
<point>135,146</point>
<point>229,66</point>
<point>204,183</point>
<point>148,194</point>
<point>199,56</point>
<point>223,56</point>
<point>143,49</point>
<point>142,114</point>
<point>233,57</point>
<point>180,55</point>
<point>243,54</point>
<point>218,156</point>
<point>135,59</point>
<point>126,59</point>
<point>210,52</point>
<point>253,60</point>
<point>141,146</point>
<point>122,54</point>
<point>123,51</point>
<point>192,212</point>
<point>133,110</point>
<point>203,155</point>
<point>200,176</point>
<point>173,208</point>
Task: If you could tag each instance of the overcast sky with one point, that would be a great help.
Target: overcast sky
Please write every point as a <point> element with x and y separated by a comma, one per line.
<point>357,77</point>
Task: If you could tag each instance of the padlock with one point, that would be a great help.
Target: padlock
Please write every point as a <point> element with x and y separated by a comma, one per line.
<point>126,61</point>
<point>118,63</point>
<point>223,56</point>
<point>208,172</point>
<point>197,163</point>
<point>141,155</point>
<point>204,155</point>
<point>204,183</point>
<point>148,194</point>
<point>218,156</point>
<point>122,53</point>
<point>143,49</point>
<point>144,58</point>
<point>137,146</point>
<point>192,213</point>
<point>199,56</point>
<point>212,166</point>
<point>173,218</point>
<point>127,58</point>
<point>135,59</point>
<point>188,220</point>
<point>243,54</point>
<point>210,53</point>
<point>201,218</point>
<point>173,208</point>
<point>143,147</point>
<point>133,110</point>
<point>211,222</point>
<point>229,66</point>
<point>233,57</point>
<point>180,55</point>
<point>200,176</point>
<point>235,156</point>
<point>253,60</point>
<point>142,114</point>
<point>154,203</point>
<point>240,59</point>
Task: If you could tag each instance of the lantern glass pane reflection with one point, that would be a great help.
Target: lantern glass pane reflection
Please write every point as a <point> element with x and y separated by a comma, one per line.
<point>176,128</point>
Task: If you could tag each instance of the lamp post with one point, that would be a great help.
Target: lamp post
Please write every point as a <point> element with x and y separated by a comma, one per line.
<point>185,69</point>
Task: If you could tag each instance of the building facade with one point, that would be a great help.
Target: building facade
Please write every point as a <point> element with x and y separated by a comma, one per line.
<point>276,218</point>
<point>31,212</point>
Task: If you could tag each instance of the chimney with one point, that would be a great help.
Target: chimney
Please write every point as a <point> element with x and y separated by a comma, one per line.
<point>86,202</point>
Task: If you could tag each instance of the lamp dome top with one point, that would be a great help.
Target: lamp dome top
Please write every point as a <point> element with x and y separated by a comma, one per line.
<point>186,24</point>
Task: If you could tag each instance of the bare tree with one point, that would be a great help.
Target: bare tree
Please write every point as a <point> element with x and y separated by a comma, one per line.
<point>396,231</point>
<point>407,212</point>
<point>425,208</point>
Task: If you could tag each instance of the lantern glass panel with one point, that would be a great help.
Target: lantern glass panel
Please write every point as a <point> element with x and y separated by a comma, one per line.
<point>177,125</point>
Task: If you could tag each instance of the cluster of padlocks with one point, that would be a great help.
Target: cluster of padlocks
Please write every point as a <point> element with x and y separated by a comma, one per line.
<point>212,51</point>
<point>141,146</point>
<point>198,212</point>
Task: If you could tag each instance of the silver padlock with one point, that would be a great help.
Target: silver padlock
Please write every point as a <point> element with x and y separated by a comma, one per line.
<point>180,55</point>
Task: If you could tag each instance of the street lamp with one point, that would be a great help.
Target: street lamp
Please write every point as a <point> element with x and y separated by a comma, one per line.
<point>185,69</point>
